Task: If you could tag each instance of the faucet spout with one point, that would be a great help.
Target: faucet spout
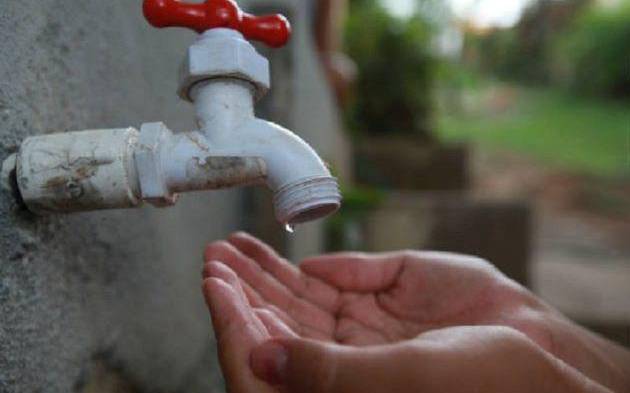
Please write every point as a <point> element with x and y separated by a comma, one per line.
<point>303,186</point>
<point>304,189</point>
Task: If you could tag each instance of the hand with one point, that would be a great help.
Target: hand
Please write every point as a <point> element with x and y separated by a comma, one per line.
<point>489,359</point>
<point>359,300</point>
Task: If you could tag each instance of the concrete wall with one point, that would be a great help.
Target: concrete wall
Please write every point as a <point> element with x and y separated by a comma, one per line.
<point>100,301</point>
<point>111,302</point>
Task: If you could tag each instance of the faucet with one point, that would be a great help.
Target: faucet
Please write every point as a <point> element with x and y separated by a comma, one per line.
<point>222,75</point>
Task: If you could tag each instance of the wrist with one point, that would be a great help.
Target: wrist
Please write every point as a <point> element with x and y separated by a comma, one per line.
<point>596,357</point>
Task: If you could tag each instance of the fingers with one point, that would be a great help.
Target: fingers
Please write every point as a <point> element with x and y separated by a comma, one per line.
<point>305,366</point>
<point>312,318</point>
<point>457,360</point>
<point>236,328</point>
<point>275,326</point>
<point>262,282</point>
<point>356,272</point>
<point>303,286</point>
<point>266,257</point>
<point>257,302</point>
<point>220,270</point>
<point>231,315</point>
<point>254,299</point>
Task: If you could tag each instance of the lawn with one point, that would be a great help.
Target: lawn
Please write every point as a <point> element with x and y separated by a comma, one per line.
<point>575,134</point>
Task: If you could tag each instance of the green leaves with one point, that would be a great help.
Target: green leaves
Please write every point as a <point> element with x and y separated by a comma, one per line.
<point>393,91</point>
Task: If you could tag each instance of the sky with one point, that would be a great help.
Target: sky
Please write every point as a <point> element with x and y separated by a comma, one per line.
<point>483,13</point>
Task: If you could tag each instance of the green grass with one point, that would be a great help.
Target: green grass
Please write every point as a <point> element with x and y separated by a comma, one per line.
<point>575,134</point>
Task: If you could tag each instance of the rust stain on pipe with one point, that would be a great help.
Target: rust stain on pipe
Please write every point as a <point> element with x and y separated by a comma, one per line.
<point>213,172</point>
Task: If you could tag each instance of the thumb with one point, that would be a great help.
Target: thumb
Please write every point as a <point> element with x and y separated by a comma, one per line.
<point>306,366</point>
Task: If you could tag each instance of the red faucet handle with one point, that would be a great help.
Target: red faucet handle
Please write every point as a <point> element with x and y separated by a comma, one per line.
<point>273,30</point>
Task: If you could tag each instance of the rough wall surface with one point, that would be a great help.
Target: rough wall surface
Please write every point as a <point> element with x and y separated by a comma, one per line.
<point>116,290</point>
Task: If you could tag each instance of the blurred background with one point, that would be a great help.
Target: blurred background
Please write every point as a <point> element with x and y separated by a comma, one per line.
<point>488,127</point>
<point>499,129</point>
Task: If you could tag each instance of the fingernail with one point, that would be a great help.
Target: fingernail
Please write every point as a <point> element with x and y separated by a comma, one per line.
<point>269,362</point>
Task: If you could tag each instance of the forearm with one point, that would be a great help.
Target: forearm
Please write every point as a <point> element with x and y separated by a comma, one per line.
<point>599,359</point>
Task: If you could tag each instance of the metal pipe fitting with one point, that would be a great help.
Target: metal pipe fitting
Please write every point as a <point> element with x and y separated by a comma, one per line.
<point>121,168</point>
<point>306,200</point>
<point>77,171</point>
<point>303,186</point>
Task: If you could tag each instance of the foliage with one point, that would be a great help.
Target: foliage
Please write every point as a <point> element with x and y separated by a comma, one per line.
<point>393,90</point>
<point>357,199</point>
<point>582,135</point>
<point>498,53</point>
<point>524,52</point>
<point>568,43</point>
<point>593,56</point>
<point>358,202</point>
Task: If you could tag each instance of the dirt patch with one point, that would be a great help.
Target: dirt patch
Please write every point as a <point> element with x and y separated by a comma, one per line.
<point>602,204</point>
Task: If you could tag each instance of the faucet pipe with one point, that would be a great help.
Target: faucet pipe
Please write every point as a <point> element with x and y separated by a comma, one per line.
<point>303,186</point>
<point>121,168</point>
<point>222,75</point>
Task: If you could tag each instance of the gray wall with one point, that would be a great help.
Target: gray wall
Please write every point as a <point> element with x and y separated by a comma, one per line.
<point>91,298</point>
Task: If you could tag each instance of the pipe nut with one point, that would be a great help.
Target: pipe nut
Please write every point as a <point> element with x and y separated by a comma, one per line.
<point>221,53</point>
<point>148,158</point>
<point>307,200</point>
<point>78,171</point>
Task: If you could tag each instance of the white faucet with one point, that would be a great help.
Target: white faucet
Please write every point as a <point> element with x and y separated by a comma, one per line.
<point>222,75</point>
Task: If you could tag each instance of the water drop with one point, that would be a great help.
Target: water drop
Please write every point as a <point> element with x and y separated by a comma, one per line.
<point>289,228</point>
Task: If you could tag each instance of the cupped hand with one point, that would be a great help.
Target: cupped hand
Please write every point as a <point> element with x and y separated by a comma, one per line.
<point>368,299</point>
<point>354,300</point>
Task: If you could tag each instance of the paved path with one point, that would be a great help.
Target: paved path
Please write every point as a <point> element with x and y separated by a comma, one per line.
<point>581,261</point>
<point>580,271</point>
